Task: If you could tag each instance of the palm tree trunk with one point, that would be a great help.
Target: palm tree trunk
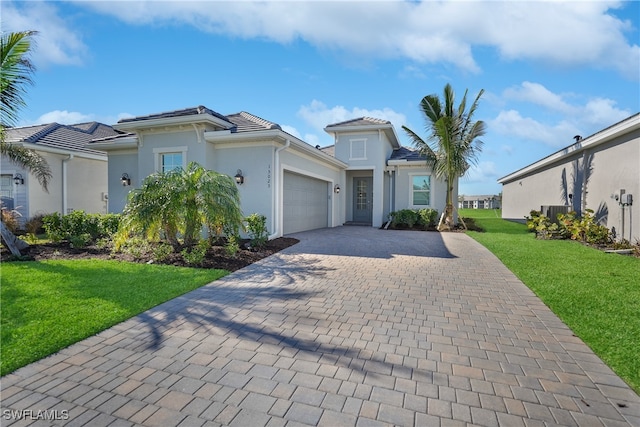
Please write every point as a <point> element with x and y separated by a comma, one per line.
<point>14,244</point>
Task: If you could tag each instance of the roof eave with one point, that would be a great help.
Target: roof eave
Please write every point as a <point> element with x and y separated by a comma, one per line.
<point>628,125</point>
<point>118,144</point>
<point>273,134</point>
<point>172,121</point>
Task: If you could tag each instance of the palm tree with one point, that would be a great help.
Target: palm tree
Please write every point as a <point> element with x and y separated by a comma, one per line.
<point>183,201</point>
<point>453,143</point>
<point>15,74</point>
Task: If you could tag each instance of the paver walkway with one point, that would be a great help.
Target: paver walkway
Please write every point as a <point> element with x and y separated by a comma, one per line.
<point>352,326</point>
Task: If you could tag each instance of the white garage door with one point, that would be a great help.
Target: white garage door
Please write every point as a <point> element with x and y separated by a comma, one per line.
<point>305,203</point>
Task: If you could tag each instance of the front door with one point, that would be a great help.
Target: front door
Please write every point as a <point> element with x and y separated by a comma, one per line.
<point>362,199</point>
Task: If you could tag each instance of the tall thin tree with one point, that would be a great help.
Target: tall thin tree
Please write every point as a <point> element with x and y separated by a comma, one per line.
<point>452,145</point>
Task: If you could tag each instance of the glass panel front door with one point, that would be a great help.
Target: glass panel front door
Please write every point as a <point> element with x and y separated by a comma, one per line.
<point>362,199</point>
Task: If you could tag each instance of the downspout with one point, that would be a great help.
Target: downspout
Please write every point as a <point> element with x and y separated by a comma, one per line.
<point>65,204</point>
<point>276,184</point>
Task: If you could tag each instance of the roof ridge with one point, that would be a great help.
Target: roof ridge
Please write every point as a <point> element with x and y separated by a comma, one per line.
<point>259,120</point>
<point>44,132</point>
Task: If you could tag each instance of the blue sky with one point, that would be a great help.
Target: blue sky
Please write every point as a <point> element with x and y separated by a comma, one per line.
<point>550,70</point>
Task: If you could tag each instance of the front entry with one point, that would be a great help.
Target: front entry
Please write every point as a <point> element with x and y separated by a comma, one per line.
<point>362,199</point>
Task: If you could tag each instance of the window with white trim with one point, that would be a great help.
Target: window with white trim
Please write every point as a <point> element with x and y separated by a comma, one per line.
<point>170,161</point>
<point>421,190</point>
<point>358,149</point>
<point>170,158</point>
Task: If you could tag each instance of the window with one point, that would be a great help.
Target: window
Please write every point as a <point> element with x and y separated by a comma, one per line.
<point>358,149</point>
<point>421,190</point>
<point>170,158</point>
<point>171,161</point>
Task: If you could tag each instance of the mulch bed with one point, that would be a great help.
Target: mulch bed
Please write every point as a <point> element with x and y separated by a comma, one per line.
<point>216,256</point>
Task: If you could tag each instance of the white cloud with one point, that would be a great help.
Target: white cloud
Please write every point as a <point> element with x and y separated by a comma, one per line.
<point>561,33</point>
<point>567,119</point>
<point>482,172</point>
<point>318,115</point>
<point>536,93</point>
<point>65,117</point>
<point>55,43</point>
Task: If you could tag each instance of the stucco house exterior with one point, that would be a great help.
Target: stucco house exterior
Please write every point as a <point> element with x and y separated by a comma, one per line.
<point>79,180</point>
<point>362,177</point>
<point>600,172</point>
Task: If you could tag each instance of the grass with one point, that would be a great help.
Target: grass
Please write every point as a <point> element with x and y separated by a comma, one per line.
<point>49,305</point>
<point>596,294</point>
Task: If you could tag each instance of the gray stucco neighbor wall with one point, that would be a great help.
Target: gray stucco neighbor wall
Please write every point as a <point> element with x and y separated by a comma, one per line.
<point>593,171</point>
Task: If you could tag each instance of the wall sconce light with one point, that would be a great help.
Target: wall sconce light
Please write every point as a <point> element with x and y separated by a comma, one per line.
<point>125,179</point>
<point>18,179</point>
<point>239,178</point>
<point>336,189</point>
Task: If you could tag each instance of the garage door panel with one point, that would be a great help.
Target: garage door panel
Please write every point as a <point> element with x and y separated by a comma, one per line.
<point>305,203</point>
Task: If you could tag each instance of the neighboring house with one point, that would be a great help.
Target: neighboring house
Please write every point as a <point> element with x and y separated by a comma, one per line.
<point>79,180</point>
<point>360,179</point>
<point>486,201</point>
<point>600,172</point>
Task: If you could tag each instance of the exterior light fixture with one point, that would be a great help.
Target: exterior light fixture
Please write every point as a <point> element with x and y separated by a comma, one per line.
<point>18,179</point>
<point>239,178</point>
<point>336,189</point>
<point>126,181</point>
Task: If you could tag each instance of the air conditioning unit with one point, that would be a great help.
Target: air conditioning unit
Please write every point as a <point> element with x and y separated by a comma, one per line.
<point>552,211</point>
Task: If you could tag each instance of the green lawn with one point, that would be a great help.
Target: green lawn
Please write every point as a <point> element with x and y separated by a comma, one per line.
<point>49,305</point>
<point>596,294</point>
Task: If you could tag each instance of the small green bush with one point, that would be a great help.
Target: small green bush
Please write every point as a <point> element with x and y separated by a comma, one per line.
<point>77,223</point>
<point>162,251</point>
<point>408,218</point>
<point>195,255</point>
<point>233,245</point>
<point>136,247</point>
<point>257,229</point>
<point>427,217</point>
<point>80,240</point>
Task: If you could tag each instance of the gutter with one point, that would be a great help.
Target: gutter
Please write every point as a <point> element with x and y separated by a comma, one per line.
<point>65,204</point>
<point>276,183</point>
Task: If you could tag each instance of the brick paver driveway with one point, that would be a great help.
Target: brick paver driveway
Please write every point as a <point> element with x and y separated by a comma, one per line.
<point>352,326</point>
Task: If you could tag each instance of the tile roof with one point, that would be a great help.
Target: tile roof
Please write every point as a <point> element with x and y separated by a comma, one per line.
<point>330,150</point>
<point>201,109</point>
<point>64,137</point>
<point>409,154</point>
<point>246,122</point>
<point>361,121</point>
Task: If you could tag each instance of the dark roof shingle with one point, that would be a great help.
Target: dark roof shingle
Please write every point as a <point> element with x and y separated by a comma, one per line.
<point>64,137</point>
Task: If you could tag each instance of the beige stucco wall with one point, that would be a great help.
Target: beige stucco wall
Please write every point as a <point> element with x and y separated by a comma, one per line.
<point>615,166</point>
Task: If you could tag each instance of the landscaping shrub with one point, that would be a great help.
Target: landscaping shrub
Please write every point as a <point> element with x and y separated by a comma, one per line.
<point>427,217</point>
<point>10,219</point>
<point>584,229</point>
<point>408,218</point>
<point>78,223</point>
<point>233,245</point>
<point>195,255</point>
<point>80,240</point>
<point>257,229</point>
<point>542,225</point>
<point>35,225</point>
<point>162,251</point>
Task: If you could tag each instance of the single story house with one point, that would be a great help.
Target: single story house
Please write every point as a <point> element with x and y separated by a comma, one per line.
<point>362,177</point>
<point>79,180</point>
<point>485,201</point>
<point>600,172</point>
